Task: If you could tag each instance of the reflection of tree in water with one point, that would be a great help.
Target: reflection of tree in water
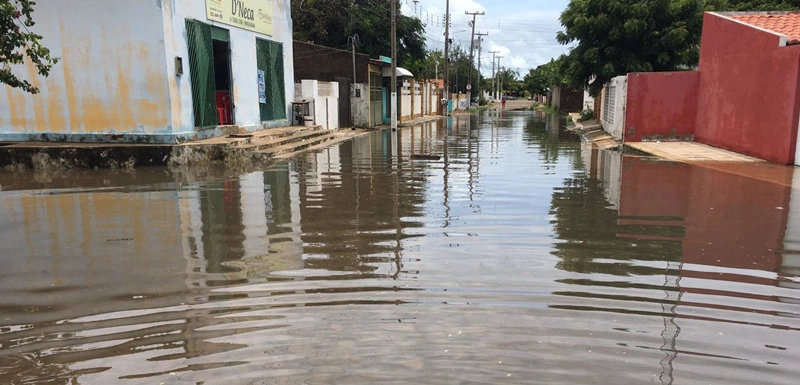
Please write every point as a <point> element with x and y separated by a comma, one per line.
<point>591,230</point>
<point>547,133</point>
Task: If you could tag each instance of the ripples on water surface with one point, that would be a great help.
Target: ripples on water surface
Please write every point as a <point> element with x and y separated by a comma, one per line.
<point>521,256</point>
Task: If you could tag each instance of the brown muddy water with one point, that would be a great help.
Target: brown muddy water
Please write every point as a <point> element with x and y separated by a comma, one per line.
<point>520,256</point>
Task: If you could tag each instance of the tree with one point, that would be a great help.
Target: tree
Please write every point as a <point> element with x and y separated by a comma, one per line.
<point>331,22</point>
<point>506,77</point>
<point>760,5</point>
<point>615,37</point>
<point>17,42</point>
<point>545,76</point>
<point>459,70</point>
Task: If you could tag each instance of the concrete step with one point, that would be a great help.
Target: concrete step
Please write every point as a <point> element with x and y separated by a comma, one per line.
<point>314,147</point>
<point>267,135</point>
<point>297,146</point>
<point>263,143</point>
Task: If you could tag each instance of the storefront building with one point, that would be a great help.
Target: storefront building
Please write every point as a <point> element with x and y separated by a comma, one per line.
<point>163,71</point>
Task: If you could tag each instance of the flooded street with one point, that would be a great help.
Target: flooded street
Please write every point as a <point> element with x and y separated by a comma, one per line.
<point>521,255</point>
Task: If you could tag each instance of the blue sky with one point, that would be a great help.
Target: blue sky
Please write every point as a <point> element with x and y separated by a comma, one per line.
<point>522,31</point>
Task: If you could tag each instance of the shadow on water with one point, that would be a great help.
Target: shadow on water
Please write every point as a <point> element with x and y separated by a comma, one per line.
<point>483,249</point>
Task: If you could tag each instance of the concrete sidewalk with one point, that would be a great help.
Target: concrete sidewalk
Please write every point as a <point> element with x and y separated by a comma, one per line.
<point>690,152</point>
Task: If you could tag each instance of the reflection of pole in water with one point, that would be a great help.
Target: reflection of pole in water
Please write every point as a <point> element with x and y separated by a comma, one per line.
<point>470,173</point>
<point>396,211</point>
<point>671,330</point>
<point>446,173</point>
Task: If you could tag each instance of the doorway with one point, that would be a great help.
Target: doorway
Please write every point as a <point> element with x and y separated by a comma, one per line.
<point>222,74</point>
<point>211,74</point>
<point>345,101</point>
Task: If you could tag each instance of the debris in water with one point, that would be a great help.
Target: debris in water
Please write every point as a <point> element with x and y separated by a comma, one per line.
<point>425,157</point>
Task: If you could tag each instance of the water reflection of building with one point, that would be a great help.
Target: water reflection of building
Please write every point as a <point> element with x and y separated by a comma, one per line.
<point>355,189</point>
<point>133,259</point>
<point>719,211</point>
<point>708,235</point>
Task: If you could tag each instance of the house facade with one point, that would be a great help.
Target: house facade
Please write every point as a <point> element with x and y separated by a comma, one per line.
<point>155,71</point>
<point>744,96</point>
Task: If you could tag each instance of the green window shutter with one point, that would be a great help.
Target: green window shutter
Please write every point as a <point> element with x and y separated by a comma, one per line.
<point>201,69</point>
<point>269,58</point>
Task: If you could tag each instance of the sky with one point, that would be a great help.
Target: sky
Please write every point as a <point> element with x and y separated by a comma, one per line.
<point>522,31</point>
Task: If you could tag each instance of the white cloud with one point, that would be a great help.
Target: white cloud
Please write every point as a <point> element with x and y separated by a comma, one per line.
<point>523,33</point>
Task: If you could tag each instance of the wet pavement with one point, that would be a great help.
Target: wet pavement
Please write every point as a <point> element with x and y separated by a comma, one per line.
<point>521,255</point>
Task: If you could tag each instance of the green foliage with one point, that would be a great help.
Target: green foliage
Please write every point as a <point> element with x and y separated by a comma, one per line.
<point>507,78</point>
<point>331,22</point>
<point>459,70</point>
<point>587,114</point>
<point>17,42</point>
<point>760,5</point>
<point>545,76</point>
<point>615,37</point>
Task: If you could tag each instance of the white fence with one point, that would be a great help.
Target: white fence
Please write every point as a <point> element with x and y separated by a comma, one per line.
<point>405,100</point>
<point>417,105</point>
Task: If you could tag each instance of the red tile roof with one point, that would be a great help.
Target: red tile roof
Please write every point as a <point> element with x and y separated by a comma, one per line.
<point>783,23</point>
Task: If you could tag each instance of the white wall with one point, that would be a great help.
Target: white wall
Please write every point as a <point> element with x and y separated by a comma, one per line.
<point>588,101</point>
<point>111,78</point>
<point>243,61</point>
<point>614,121</point>
<point>325,99</point>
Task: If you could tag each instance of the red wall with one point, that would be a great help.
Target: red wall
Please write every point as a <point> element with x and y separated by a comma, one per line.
<point>661,105</point>
<point>748,91</point>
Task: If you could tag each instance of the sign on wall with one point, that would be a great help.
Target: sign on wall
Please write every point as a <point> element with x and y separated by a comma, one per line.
<point>262,87</point>
<point>253,15</point>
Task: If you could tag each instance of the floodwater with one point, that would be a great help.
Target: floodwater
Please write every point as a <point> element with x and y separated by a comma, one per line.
<point>521,255</point>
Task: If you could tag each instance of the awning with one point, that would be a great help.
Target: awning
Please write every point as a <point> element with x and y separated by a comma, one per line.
<point>387,72</point>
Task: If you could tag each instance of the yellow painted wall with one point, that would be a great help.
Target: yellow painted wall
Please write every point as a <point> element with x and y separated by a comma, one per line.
<point>112,77</point>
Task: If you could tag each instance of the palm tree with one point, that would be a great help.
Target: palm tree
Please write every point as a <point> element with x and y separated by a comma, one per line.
<point>506,76</point>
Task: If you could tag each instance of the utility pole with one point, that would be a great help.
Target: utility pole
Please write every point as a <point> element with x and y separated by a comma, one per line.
<point>493,74</point>
<point>393,104</point>
<point>353,40</point>
<point>471,52</point>
<point>480,39</point>
<point>499,87</point>
<point>446,53</point>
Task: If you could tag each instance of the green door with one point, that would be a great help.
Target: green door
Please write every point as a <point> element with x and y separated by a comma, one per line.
<point>269,57</point>
<point>201,69</point>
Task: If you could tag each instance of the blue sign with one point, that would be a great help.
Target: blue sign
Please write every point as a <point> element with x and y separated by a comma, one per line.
<point>262,87</point>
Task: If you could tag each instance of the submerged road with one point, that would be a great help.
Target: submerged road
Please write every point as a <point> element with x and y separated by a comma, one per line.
<point>509,252</point>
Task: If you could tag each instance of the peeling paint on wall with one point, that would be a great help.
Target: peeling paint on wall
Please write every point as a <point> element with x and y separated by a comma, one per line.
<point>111,76</point>
<point>116,80</point>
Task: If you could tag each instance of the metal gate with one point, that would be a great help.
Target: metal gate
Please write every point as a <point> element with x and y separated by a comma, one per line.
<point>344,103</point>
<point>375,99</point>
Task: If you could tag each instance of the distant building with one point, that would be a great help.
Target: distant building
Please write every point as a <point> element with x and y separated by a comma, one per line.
<point>155,71</point>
